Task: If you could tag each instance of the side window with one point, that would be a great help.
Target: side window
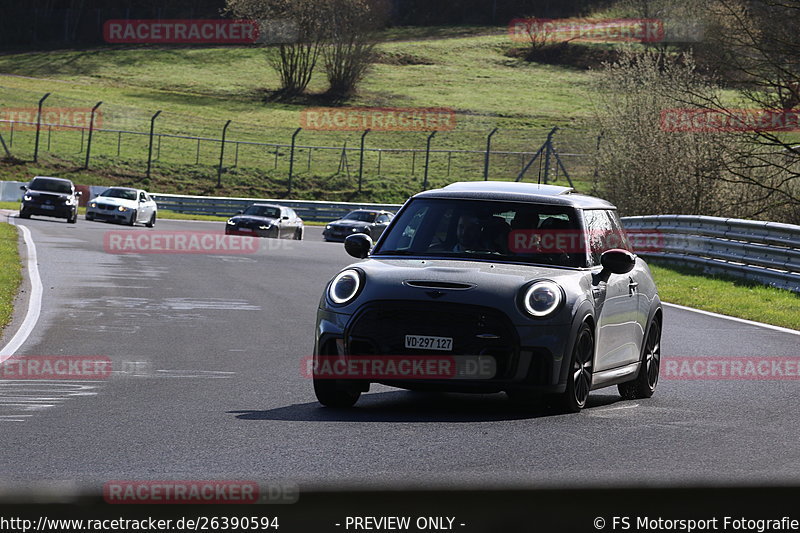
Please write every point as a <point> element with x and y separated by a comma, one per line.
<point>142,197</point>
<point>598,228</point>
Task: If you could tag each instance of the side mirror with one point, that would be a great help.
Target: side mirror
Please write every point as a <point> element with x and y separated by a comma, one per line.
<point>618,261</point>
<point>358,245</point>
<point>78,193</point>
<point>23,187</point>
<point>239,212</point>
<point>286,218</point>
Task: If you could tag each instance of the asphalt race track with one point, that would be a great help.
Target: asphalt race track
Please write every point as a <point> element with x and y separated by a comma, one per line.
<point>207,353</point>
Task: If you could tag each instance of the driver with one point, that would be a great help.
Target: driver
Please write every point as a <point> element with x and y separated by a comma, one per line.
<point>468,233</point>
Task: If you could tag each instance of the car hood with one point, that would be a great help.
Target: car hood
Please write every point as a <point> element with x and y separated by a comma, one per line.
<point>252,218</point>
<point>350,223</point>
<point>116,201</point>
<point>469,282</point>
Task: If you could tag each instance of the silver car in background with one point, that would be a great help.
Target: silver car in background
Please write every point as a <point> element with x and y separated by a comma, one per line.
<point>124,205</point>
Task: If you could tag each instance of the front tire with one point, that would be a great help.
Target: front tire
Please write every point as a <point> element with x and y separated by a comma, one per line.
<point>330,395</point>
<point>152,222</point>
<point>298,234</point>
<point>645,383</point>
<point>24,214</point>
<point>73,218</point>
<point>132,221</point>
<point>579,378</point>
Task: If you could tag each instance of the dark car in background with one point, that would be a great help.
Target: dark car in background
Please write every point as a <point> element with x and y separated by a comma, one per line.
<point>266,220</point>
<point>50,197</point>
<point>534,282</point>
<point>366,221</point>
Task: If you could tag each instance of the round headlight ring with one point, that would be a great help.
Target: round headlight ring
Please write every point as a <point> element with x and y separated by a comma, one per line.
<point>345,287</point>
<point>542,298</point>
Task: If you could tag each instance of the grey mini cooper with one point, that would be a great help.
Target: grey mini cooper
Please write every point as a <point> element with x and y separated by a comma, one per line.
<point>526,289</point>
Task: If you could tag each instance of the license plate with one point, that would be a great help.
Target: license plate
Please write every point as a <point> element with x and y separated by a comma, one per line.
<point>244,229</point>
<point>422,342</point>
<point>48,207</point>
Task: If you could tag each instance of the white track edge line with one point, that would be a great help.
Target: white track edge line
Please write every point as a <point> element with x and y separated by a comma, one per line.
<point>735,319</point>
<point>34,301</point>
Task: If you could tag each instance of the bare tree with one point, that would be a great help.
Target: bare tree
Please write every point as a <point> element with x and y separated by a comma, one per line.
<point>350,47</point>
<point>294,61</point>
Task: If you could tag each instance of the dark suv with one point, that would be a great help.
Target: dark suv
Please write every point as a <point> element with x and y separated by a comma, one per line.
<point>50,197</point>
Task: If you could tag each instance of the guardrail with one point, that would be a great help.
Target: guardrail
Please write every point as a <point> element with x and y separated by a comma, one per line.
<point>765,252</point>
<point>312,211</point>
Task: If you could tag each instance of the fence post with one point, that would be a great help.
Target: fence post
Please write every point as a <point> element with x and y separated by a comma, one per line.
<point>150,149</point>
<point>549,143</point>
<point>222,154</point>
<point>38,128</point>
<point>488,151</point>
<point>91,130</point>
<point>427,160</point>
<point>361,161</point>
<point>291,158</point>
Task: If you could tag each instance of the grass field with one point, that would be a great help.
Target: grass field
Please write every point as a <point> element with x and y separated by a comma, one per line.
<point>727,296</point>
<point>199,89</point>
<point>10,271</point>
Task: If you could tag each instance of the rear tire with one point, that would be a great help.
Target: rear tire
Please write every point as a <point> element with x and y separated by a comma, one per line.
<point>645,383</point>
<point>579,378</point>
<point>330,395</point>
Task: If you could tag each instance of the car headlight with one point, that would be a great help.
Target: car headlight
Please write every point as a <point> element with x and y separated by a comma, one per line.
<point>328,226</point>
<point>264,228</point>
<point>28,197</point>
<point>231,222</point>
<point>122,208</point>
<point>69,201</point>
<point>542,298</point>
<point>345,287</point>
<point>93,204</point>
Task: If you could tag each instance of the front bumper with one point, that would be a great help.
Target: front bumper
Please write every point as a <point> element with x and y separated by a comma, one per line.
<point>528,357</point>
<point>109,215</point>
<point>48,210</point>
<point>339,235</point>
<point>271,233</point>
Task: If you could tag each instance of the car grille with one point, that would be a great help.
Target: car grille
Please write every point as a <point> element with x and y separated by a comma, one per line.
<point>381,327</point>
<point>47,199</point>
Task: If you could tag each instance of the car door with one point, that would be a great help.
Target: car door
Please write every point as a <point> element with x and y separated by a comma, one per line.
<point>617,337</point>
<point>141,207</point>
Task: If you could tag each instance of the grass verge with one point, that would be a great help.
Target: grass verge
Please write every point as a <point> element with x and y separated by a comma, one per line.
<point>10,272</point>
<point>727,296</point>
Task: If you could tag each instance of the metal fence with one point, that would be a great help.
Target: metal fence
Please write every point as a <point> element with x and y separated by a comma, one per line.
<point>142,142</point>
<point>764,252</point>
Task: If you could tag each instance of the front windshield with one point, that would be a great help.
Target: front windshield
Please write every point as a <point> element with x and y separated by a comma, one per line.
<point>125,194</point>
<point>48,185</point>
<point>476,229</point>
<point>362,216</point>
<point>263,211</point>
